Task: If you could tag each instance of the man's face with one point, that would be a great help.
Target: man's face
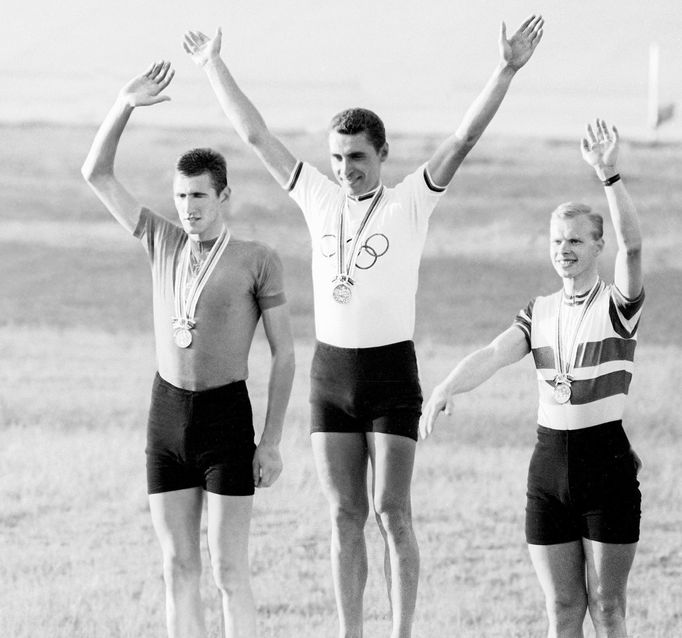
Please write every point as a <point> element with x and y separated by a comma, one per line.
<point>355,162</point>
<point>573,248</point>
<point>198,205</point>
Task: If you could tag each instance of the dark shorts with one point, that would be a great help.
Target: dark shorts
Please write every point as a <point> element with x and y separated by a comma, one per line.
<point>200,439</point>
<point>365,389</point>
<point>583,484</point>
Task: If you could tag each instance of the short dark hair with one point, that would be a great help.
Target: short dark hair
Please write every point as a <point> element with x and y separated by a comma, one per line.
<point>204,160</point>
<point>569,210</point>
<point>358,120</point>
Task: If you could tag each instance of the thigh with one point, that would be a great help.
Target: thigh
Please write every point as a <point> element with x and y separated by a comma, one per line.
<point>560,569</point>
<point>392,462</point>
<point>176,517</point>
<point>341,463</point>
<point>229,518</point>
<point>608,566</point>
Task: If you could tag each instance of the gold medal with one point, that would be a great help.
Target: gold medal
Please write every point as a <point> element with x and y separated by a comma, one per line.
<point>342,293</point>
<point>182,337</point>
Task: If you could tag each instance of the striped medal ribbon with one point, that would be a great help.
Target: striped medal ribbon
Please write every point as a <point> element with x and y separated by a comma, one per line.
<point>186,295</point>
<point>343,282</point>
<point>564,364</point>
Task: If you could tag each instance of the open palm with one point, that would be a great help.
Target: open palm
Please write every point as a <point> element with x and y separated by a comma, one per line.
<point>600,146</point>
<point>200,47</point>
<point>516,51</point>
<point>146,89</point>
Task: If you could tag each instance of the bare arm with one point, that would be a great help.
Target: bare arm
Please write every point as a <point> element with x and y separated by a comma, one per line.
<point>98,168</point>
<point>507,348</point>
<point>599,149</point>
<point>267,461</point>
<point>514,53</point>
<point>243,115</point>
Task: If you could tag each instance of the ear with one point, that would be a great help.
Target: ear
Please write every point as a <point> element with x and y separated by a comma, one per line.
<point>598,246</point>
<point>383,152</point>
<point>225,194</point>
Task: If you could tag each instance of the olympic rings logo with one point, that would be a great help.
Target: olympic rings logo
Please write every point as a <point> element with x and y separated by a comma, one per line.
<point>375,246</point>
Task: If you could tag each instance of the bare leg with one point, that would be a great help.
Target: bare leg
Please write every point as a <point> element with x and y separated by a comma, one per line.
<point>608,567</point>
<point>176,517</point>
<point>229,518</point>
<point>341,461</point>
<point>393,460</point>
<point>561,572</point>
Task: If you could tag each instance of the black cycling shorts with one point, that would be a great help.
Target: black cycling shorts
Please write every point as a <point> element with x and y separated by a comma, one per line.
<point>200,439</point>
<point>583,484</point>
<point>366,389</point>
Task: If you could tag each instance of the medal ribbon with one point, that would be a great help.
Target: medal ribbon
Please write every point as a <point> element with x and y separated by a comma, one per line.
<point>186,299</point>
<point>346,270</point>
<point>562,364</point>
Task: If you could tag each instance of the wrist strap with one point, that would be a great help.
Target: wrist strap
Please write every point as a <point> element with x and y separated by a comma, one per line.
<point>611,180</point>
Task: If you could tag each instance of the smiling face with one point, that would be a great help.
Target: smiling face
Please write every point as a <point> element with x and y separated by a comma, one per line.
<point>355,162</point>
<point>574,249</point>
<point>198,205</point>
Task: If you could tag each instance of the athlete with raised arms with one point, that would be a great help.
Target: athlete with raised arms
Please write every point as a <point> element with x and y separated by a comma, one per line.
<point>367,242</point>
<point>209,291</point>
<point>583,507</point>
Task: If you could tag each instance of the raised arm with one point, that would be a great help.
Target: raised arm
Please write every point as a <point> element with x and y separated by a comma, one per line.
<point>98,168</point>
<point>243,115</point>
<point>514,53</point>
<point>507,348</point>
<point>267,461</point>
<point>599,149</point>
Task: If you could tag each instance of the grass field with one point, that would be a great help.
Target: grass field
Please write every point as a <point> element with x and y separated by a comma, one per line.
<point>78,558</point>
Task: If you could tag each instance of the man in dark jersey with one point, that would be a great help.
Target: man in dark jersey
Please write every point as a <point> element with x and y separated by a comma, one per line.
<point>209,292</point>
<point>367,242</point>
<point>583,507</point>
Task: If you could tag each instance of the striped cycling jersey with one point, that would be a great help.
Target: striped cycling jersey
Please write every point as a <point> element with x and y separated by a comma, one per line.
<point>604,358</point>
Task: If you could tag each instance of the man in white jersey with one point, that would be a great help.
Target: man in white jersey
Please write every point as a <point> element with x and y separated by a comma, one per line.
<point>367,242</point>
<point>209,292</point>
<point>583,508</point>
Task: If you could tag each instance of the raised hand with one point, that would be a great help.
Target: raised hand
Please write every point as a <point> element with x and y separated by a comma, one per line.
<point>599,146</point>
<point>516,51</point>
<point>146,89</point>
<point>200,47</point>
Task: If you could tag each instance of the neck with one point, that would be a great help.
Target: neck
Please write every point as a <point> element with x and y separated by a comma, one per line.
<point>209,234</point>
<point>367,194</point>
<point>574,286</point>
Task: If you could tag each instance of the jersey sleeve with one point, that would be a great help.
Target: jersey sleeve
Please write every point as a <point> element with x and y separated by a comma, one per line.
<point>314,193</point>
<point>420,194</point>
<point>625,313</point>
<point>269,287</point>
<point>524,320</point>
<point>154,230</point>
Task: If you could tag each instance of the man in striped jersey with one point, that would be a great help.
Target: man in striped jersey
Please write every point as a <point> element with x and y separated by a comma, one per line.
<point>583,508</point>
<point>367,242</point>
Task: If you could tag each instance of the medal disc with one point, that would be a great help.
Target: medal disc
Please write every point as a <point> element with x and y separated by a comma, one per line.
<point>182,337</point>
<point>562,392</point>
<point>341,293</point>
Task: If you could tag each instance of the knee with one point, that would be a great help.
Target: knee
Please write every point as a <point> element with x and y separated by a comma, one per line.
<point>349,517</point>
<point>607,610</point>
<point>394,517</point>
<point>181,569</point>
<point>229,577</point>
<point>566,611</point>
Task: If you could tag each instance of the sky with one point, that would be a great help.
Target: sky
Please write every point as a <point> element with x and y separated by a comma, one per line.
<point>419,64</point>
